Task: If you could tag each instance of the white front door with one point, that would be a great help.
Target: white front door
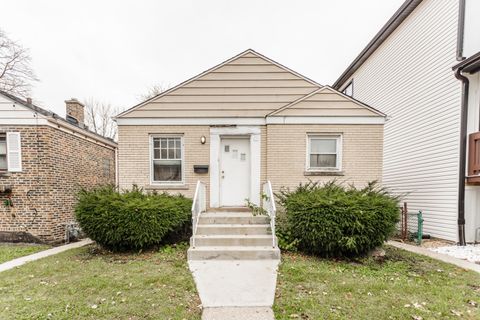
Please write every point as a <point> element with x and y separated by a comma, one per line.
<point>234,170</point>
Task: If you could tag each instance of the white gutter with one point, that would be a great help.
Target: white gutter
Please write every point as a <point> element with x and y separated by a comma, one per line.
<point>73,129</point>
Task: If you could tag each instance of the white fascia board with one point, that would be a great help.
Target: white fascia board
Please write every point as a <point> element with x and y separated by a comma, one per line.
<point>79,132</point>
<point>60,125</point>
<point>325,120</point>
<point>189,121</point>
<point>235,131</point>
<point>248,121</point>
<point>23,121</point>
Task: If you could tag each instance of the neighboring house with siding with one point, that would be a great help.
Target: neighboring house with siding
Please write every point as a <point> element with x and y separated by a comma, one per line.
<point>241,123</point>
<point>406,71</point>
<point>44,161</point>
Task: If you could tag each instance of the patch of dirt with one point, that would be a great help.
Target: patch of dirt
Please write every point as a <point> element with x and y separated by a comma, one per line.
<point>435,243</point>
<point>428,243</point>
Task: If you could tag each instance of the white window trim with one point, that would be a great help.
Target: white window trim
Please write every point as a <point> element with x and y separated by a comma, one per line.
<point>182,146</point>
<point>339,138</point>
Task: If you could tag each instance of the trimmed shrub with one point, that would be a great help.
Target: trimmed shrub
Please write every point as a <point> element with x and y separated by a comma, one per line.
<point>331,220</point>
<point>131,220</point>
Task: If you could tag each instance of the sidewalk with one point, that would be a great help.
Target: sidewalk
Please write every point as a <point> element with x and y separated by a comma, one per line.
<point>42,254</point>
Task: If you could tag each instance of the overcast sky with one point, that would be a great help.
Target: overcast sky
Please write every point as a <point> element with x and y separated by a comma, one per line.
<point>115,50</point>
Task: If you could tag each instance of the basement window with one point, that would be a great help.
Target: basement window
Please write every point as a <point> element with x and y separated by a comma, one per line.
<point>3,153</point>
<point>167,160</point>
<point>324,152</point>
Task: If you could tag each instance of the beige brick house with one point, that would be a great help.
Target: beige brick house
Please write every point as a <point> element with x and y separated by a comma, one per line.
<point>241,123</point>
<point>44,161</point>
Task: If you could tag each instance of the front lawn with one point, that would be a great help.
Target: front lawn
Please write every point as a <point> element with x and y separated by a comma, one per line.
<point>9,251</point>
<point>88,283</point>
<point>403,286</point>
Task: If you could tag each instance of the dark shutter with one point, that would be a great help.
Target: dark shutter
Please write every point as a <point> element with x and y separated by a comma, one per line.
<point>474,158</point>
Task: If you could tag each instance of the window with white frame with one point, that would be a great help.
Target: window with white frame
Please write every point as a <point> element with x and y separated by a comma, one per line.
<point>167,161</point>
<point>324,152</point>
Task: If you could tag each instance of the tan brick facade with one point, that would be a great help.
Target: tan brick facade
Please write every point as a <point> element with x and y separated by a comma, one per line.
<point>55,165</point>
<point>283,158</point>
<point>134,155</point>
<point>287,152</point>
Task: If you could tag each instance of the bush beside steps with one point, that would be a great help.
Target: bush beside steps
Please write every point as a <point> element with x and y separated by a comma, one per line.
<point>336,221</point>
<point>131,220</point>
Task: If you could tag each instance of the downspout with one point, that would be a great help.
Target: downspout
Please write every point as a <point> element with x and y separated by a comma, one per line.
<point>463,156</point>
<point>460,30</point>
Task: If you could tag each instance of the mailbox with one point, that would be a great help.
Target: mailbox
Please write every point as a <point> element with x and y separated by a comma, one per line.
<point>200,168</point>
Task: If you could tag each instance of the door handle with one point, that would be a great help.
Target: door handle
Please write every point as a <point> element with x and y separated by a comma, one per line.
<point>223,174</point>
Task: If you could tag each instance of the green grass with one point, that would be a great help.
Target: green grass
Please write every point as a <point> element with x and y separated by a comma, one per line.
<point>88,283</point>
<point>403,286</point>
<point>11,251</point>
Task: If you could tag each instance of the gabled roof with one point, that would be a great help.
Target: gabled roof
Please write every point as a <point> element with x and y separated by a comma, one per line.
<point>400,15</point>
<point>230,79</point>
<point>51,116</point>
<point>327,101</point>
<point>30,106</point>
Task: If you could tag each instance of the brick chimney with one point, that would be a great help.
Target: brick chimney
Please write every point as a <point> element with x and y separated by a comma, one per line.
<point>75,110</point>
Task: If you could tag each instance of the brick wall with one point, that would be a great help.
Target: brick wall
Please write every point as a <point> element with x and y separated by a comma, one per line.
<point>134,155</point>
<point>75,109</point>
<point>287,148</point>
<point>283,159</point>
<point>55,165</point>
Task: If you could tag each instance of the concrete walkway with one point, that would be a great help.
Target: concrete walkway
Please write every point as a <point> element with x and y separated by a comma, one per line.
<point>236,289</point>
<point>42,254</point>
<point>235,283</point>
<point>435,255</point>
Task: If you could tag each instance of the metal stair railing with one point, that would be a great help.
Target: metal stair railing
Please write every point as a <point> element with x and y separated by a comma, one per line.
<point>268,205</point>
<point>199,205</point>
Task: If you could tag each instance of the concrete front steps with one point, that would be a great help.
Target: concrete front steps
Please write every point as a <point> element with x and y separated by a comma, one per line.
<point>237,235</point>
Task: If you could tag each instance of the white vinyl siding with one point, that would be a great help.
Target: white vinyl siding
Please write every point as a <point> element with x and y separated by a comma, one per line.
<point>12,113</point>
<point>472,192</point>
<point>410,78</point>
<point>248,86</point>
<point>471,38</point>
<point>349,89</point>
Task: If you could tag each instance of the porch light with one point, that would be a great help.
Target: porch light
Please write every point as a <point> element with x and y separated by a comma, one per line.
<point>203,139</point>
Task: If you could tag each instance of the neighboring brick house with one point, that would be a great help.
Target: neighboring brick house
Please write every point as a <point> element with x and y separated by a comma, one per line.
<point>44,161</point>
<point>244,122</point>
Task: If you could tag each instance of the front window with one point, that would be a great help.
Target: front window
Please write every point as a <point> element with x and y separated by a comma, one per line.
<point>3,153</point>
<point>167,159</point>
<point>324,152</point>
